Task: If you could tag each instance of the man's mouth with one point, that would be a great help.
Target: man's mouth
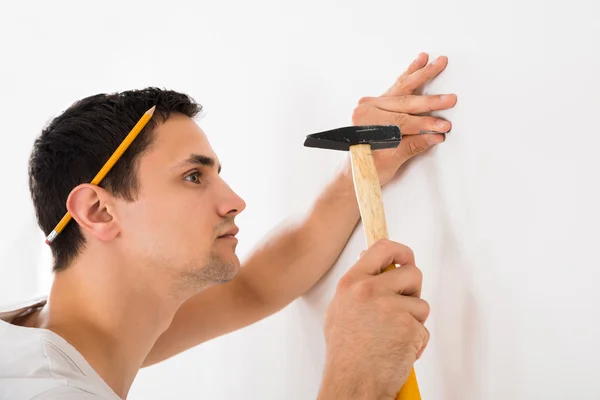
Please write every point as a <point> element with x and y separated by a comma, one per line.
<point>230,234</point>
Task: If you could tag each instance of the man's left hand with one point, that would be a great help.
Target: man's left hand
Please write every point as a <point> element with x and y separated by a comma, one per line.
<point>400,106</point>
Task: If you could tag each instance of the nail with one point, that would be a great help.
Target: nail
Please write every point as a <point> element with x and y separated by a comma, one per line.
<point>436,60</point>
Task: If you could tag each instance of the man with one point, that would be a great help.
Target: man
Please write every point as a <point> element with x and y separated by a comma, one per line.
<point>147,268</point>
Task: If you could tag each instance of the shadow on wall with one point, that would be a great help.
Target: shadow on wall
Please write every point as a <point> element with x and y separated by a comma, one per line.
<point>454,309</point>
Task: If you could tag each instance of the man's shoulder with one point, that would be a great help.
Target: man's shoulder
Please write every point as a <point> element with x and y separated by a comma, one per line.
<point>29,366</point>
<point>38,364</point>
<point>29,352</point>
<point>22,352</point>
<point>14,310</point>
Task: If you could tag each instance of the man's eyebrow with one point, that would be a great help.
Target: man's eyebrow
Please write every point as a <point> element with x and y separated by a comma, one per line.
<point>199,159</point>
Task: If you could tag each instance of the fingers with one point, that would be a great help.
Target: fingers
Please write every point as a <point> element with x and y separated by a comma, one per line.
<point>412,314</point>
<point>366,114</point>
<point>418,308</point>
<point>422,76</point>
<point>417,64</point>
<point>411,104</point>
<point>414,125</point>
<point>415,145</point>
<point>424,340</point>
<point>406,280</point>
<point>380,255</point>
<point>407,83</point>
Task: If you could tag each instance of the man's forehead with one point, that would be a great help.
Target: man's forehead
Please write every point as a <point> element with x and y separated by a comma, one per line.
<point>177,138</point>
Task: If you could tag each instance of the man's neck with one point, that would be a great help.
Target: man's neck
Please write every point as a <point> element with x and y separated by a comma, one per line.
<point>111,313</point>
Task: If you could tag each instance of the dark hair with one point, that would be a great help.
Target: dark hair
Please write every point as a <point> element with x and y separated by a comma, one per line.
<point>76,144</point>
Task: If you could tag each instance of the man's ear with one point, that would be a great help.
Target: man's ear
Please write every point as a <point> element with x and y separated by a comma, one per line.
<point>92,208</point>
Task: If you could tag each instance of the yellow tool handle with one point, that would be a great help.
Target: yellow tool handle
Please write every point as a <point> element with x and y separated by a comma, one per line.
<point>368,193</point>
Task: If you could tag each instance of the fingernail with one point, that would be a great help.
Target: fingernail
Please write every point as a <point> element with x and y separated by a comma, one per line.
<point>442,124</point>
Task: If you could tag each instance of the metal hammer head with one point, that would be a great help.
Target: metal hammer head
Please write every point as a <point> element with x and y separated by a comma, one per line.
<point>378,136</point>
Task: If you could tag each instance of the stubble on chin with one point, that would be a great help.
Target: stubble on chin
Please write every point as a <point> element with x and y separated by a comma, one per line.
<point>215,270</point>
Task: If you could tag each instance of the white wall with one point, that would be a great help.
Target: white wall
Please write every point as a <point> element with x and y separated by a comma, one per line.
<point>503,216</point>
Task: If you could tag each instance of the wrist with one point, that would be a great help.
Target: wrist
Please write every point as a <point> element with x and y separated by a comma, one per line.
<point>339,195</point>
<point>344,171</point>
<point>343,180</point>
<point>340,381</point>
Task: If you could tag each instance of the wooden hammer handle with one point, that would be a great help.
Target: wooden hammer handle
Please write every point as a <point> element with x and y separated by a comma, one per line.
<point>368,193</point>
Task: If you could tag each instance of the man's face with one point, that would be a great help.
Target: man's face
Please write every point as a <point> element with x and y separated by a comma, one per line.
<point>182,221</point>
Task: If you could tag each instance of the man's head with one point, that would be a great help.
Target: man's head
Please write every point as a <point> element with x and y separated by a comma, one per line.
<point>162,205</point>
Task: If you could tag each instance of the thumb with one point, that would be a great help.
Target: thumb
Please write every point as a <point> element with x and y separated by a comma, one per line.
<point>416,144</point>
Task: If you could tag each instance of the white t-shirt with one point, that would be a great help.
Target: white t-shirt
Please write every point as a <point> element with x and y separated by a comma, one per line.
<point>38,364</point>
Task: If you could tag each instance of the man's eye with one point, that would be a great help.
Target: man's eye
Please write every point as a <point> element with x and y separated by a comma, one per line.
<point>194,177</point>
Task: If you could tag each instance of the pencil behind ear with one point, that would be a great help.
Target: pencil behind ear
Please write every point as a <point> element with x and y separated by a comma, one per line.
<point>92,208</point>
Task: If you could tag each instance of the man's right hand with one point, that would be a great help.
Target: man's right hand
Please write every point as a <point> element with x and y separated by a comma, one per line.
<point>374,326</point>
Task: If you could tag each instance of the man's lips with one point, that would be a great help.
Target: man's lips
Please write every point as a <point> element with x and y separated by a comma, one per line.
<point>230,233</point>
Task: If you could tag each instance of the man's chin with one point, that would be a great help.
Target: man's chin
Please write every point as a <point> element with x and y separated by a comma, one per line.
<point>229,269</point>
<point>234,273</point>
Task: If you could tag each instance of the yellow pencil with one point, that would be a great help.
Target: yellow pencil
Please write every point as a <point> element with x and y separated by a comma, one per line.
<point>107,166</point>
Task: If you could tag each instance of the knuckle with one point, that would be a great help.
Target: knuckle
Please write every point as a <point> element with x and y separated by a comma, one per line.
<point>387,309</point>
<point>381,244</point>
<point>363,290</point>
<point>345,282</point>
<point>399,119</point>
<point>407,323</point>
<point>407,104</point>
<point>416,146</point>
<point>429,104</point>
<point>403,101</point>
<point>407,250</point>
<point>387,245</point>
<point>364,100</point>
<point>359,113</point>
<point>413,148</point>
<point>416,273</point>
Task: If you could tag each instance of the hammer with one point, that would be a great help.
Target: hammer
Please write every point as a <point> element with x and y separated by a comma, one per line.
<point>360,140</point>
